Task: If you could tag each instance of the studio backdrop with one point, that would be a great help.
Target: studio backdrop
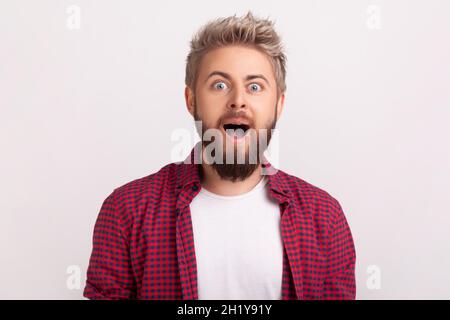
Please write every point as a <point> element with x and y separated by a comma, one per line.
<point>92,97</point>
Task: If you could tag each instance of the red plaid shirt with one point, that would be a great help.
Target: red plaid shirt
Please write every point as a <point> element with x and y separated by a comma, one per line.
<point>143,245</point>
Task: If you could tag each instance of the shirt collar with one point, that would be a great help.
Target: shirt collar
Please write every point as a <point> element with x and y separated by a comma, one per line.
<point>188,176</point>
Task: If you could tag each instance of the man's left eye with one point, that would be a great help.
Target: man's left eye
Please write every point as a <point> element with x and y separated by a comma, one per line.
<point>255,87</point>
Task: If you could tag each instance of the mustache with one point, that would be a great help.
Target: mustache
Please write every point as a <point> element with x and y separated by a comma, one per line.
<point>239,114</point>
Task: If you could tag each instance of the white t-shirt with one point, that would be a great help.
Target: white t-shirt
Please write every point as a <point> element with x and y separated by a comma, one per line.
<point>238,245</point>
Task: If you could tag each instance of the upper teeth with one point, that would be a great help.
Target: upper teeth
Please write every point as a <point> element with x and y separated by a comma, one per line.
<point>239,132</point>
<point>236,124</point>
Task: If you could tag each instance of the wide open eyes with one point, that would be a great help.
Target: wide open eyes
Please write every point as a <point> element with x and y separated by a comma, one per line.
<point>253,87</point>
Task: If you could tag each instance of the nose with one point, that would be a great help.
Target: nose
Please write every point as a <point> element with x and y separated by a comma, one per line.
<point>237,100</point>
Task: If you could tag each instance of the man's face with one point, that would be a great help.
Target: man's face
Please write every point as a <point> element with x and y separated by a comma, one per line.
<point>236,86</point>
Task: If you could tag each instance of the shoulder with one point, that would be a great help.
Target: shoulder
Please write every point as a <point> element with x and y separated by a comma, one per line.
<point>310,197</point>
<point>129,202</point>
<point>150,185</point>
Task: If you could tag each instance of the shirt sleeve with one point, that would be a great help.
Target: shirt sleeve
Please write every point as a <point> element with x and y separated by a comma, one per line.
<point>340,278</point>
<point>109,275</point>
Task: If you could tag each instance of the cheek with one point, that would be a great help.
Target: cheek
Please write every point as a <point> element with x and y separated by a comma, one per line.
<point>265,115</point>
<point>263,102</point>
<point>209,113</point>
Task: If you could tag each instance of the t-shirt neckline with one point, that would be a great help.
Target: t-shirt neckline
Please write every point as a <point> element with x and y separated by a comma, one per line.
<point>258,186</point>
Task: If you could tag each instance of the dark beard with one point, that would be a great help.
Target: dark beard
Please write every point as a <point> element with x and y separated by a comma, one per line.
<point>237,171</point>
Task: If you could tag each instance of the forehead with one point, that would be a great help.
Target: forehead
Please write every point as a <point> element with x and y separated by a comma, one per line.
<point>238,61</point>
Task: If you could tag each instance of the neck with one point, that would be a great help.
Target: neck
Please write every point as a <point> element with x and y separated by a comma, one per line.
<point>212,182</point>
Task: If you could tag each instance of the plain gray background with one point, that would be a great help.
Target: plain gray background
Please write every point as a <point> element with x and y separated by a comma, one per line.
<point>86,110</point>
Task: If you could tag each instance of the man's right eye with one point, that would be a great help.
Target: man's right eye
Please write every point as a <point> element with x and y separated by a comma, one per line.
<point>219,85</point>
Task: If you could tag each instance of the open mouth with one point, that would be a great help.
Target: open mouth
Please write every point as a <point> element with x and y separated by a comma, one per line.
<point>236,130</point>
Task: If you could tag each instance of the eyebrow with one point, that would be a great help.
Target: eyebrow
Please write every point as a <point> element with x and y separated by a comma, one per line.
<point>227,76</point>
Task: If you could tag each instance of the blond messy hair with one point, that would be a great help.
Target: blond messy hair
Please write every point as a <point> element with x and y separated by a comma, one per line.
<point>247,30</point>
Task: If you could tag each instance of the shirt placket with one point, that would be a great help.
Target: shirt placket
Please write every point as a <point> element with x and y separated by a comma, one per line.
<point>185,246</point>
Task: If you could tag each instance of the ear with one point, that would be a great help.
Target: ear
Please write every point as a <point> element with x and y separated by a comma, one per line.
<point>280,105</point>
<point>189,97</point>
